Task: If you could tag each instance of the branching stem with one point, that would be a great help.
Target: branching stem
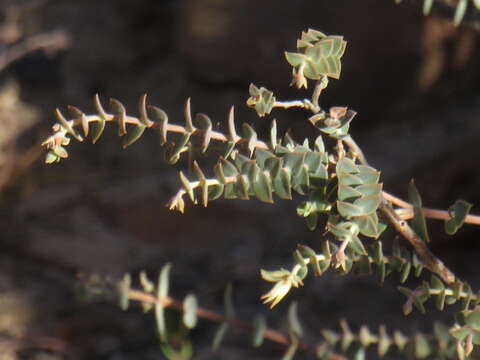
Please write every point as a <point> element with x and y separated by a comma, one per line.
<point>432,263</point>
<point>270,334</point>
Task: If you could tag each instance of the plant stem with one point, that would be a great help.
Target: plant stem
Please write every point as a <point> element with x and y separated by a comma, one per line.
<point>432,263</point>
<point>404,213</point>
<point>270,334</point>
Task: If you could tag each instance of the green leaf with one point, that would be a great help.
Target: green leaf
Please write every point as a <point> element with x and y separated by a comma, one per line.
<point>422,347</point>
<point>368,175</point>
<point>228,302</point>
<point>178,148</point>
<point>295,59</point>
<point>312,221</point>
<point>400,340</point>
<point>419,223</point>
<point>123,290</point>
<point>294,161</point>
<point>292,349</point>
<point>190,307</point>
<point>215,191</point>
<point>436,284</point>
<point>384,341</point>
<point>97,129</point>
<point>330,336</point>
<point>259,328</point>
<point>120,115</point>
<point>225,169</point>
<point>273,135</point>
<point>460,333</point>
<point>206,125</point>
<point>346,165</point>
<point>66,125</point>
<point>219,336</point>
<point>460,11</point>
<point>360,354</point>
<point>162,294</point>
<point>347,192</point>
<point>263,188</point>
<point>187,186</point>
<point>142,110</point>
<point>60,152</point>
<point>161,117</point>
<point>251,135</point>
<point>440,302</point>
<point>473,320</point>
<point>309,253</point>
<point>368,204</point>
<point>369,189</point>
<point>133,135</point>
<point>407,307</point>
<point>458,212</point>
<point>51,157</point>
<point>294,326</point>
<point>349,179</point>
<point>348,210</point>
<point>356,245</point>
<point>301,181</point>
<point>274,276</point>
<point>147,285</point>
<point>189,128</point>
<point>427,6</point>
<point>405,272</point>
<point>242,187</point>
<point>282,184</point>
<point>369,225</point>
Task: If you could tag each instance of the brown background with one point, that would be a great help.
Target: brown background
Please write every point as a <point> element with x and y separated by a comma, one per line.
<point>413,80</point>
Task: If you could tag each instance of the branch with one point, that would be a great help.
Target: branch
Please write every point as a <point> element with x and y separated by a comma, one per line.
<point>406,211</point>
<point>270,334</point>
<point>52,41</point>
<point>432,263</point>
<point>61,131</point>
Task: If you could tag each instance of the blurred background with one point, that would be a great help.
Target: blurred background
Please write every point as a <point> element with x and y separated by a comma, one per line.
<point>414,81</point>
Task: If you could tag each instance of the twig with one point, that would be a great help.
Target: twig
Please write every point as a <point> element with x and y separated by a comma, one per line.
<point>307,104</point>
<point>270,334</point>
<point>431,262</point>
<point>52,41</point>
<point>406,211</point>
<point>317,91</point>
<point>60,132</point>
<point>303,104</point>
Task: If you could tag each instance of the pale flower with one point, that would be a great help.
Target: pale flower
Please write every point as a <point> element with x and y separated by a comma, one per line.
<point>278,292</point>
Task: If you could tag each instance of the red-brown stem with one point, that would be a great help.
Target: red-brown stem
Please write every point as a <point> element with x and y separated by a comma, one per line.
<point>270,334</point>
<point>406,211</point>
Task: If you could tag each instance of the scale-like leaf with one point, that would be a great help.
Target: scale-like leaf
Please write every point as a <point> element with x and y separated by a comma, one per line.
<point>259,328</point>
<point>419,223</point>
<point>133,135</point>
<point>190,307</point>
<point>123,290</point>
<point>263,188</point>
<point>294,326</point>
<point>219,336</point>
<point>282,184</point>
<point>458,212</point>
<point>162,294</point>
